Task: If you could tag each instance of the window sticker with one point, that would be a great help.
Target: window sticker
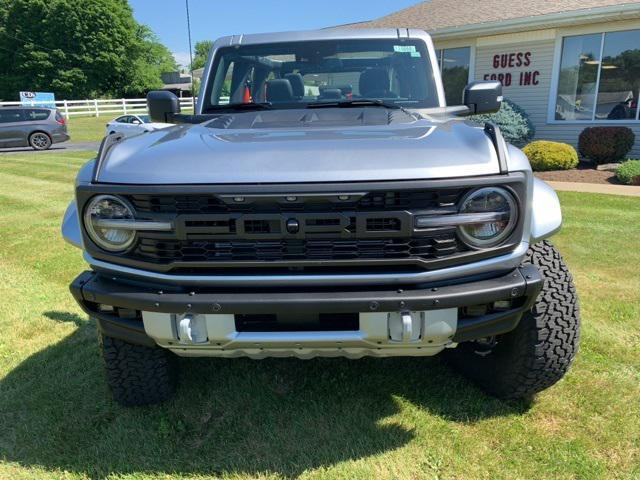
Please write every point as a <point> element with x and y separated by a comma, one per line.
<point>415,54</point>
<point>404,48</point>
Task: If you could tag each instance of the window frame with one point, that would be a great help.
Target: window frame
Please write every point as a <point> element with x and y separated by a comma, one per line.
<point>212,79</point>
<point>555,78</point>
<point>439,51</point>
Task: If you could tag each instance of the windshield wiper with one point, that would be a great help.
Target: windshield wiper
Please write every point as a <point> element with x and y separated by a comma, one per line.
<point>244,106</point>
<point>361,102</point>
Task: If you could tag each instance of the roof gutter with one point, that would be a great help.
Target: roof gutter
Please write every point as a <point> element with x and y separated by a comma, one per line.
<point>552,20</point>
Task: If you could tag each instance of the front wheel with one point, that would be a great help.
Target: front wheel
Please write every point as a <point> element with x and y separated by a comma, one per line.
<point>538,353</point>
<point>138,375</point>
<point>40,141</point>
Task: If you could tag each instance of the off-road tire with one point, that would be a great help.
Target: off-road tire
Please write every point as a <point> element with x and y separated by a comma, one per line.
<point>40,141</point>
<point>538,353</point>
<point>138,375</point>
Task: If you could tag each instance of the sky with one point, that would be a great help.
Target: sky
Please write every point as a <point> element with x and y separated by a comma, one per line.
<point>211,19</point>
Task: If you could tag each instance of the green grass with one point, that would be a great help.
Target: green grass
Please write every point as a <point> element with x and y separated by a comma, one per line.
<point>93,129</point>
<point>325,418</point>
<point>88,129</point>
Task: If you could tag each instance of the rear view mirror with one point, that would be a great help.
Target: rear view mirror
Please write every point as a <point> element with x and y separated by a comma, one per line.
<point>483,97</point>
<point>162,106</point>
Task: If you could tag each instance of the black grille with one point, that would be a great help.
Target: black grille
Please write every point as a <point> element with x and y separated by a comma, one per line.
<point>379,200</point>
<point>165,251</point>
<point>383,224</point>
<point>270,230</point>
<point>364,227</point>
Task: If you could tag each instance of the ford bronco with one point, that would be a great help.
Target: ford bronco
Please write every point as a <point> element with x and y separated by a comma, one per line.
<point>323,200</point>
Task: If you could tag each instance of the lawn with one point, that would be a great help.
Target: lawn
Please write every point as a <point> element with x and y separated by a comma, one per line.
<point>88,129</point>
<point>325,418</point>
<point>92,129</point>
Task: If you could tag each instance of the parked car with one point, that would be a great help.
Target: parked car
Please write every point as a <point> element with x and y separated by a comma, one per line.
<point>131,125</point>
<point>35,127</point>
<point>282,221</point>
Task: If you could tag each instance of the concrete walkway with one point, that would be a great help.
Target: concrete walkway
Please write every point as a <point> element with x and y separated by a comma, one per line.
<point>627,190</point>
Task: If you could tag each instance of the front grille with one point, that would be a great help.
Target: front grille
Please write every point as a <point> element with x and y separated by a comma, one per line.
<point>219,230</point>
<point>356,228</point>
<point>163,251</point>
<point>378,200</point>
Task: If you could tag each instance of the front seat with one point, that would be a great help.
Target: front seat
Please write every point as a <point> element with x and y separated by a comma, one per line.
<point>374,83</point>
<point>279,91</point>
<point>297,84</point>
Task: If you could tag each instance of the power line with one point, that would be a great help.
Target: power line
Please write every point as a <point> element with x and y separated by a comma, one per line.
<point>24,40</point>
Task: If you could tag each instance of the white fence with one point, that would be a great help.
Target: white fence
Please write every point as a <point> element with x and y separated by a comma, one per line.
<point>98,107</point>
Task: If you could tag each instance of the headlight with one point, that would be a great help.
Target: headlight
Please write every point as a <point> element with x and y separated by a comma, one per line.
<point>491,214</point>
<point>101,217</point>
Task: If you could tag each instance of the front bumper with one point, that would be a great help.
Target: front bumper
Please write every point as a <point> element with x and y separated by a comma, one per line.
<point>159,311</point>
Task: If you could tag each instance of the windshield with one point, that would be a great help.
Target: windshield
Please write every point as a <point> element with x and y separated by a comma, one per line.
<point>296,75</point>
<point>144,118</point>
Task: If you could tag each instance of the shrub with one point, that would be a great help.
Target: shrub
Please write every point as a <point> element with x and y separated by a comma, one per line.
<point>545,155</point>
<point>514,123</point>
<point>629,172</point>
<point>605,144</point>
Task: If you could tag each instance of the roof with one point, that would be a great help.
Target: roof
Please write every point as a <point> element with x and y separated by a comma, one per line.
<point>177,86</point>
<point>441,15</point>
<point>331,33</point>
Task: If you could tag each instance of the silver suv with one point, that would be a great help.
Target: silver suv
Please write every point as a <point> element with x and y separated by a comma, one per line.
<point>35,127</point>
<point>322,201</point>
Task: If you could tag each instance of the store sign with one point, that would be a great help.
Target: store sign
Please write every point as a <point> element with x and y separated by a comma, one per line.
<point>38,99</point>
<point>504,65</point>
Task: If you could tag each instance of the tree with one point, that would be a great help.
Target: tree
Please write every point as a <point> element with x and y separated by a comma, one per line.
<point>77,49</point>
<point>153,59</point>
<point>201,51</point>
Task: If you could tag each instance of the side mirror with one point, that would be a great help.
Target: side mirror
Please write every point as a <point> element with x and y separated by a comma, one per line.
<point>483,97</point>
<point>162,106</point>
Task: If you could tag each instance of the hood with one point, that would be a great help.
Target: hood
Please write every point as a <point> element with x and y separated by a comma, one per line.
<point>317,149</point>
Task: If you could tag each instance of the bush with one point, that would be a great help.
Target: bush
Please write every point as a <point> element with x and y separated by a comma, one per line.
<point>514,123</point>
<point>605,144</point>
<point>629,172</point>
<point>545,155</point>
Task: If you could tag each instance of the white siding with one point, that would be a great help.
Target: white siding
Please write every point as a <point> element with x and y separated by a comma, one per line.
<point>535,98</point>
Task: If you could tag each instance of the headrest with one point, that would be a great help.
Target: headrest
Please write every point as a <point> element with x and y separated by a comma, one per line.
<point>297,84</point>
<point>374,82</point>
<point>279,90</point>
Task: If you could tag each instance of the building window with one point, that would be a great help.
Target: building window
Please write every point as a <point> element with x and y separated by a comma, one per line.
<point>599,77</point>
<point>454,66</point>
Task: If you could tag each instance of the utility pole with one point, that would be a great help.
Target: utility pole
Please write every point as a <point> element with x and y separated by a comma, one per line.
<point>193,94</point>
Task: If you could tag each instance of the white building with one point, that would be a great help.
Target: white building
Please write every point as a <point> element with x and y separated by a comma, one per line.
<point>569,63</point>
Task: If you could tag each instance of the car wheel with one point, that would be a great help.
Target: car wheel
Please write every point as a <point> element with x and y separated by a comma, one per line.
<point>138,375</point>
<point>534,356</point>
<point>40,141</point>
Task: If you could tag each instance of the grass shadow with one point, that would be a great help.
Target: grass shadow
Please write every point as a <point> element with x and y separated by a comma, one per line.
<point>65,317</point>
<point>240,416</point>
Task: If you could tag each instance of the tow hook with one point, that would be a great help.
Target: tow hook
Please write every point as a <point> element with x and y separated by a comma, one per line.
<point>192,329</point>
<point>405,327</point>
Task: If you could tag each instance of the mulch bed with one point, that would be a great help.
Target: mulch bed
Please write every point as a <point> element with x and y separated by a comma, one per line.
<point>585,173</point>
